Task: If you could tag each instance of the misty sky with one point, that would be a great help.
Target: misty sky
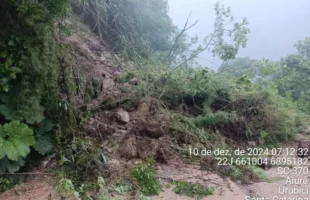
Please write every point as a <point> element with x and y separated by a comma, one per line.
<point>276,25</point>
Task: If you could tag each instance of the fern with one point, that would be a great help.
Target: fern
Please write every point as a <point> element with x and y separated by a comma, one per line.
<point>15,140</point>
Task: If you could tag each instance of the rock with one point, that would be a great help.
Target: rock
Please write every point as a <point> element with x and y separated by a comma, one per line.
<point>90,126</point>
<point>107,83</point>
<point>143,108</point>
<point>122,66</point>
<point>117,74</point>
<point>119,133</point>
<point>123,132</point>
<point>252,143</point>
<point>113,165</point>
<point>134,81</point>
<point>158,168</point>
<point>128,147</point>
<point>122,116</point>
<point>150,130</point>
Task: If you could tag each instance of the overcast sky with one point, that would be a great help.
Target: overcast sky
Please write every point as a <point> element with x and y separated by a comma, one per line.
<point>276,25</point>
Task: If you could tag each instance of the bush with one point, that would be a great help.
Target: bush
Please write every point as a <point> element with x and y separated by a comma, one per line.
<point>144,174</point>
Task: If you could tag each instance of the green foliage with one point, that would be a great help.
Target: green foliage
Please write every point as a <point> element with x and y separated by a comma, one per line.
<point>289,76</point>
<point>66,189</point>
<point>187,85</point>
<point>10,165</point>
<point>133,27</point>
<point>14,108</point>
<point>143,29</point>
<point>142,197</point>
<point>84,157</point>
<point>144,174</point>
<point>239,67</point>
<point>216,118</point>
<point>44,144</point>
<point>15,140</point>
<point>237,34</point>
<point>12,56</point>
<point>126,77</point>
<point>303,47</point>
<point>44,140</point>
<point>240,109</point>
<point>29,77</point>
<point>7,182</point>
<point>194,190</point>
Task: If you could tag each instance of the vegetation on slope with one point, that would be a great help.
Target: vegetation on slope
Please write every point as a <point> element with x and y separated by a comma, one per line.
<point>51,91</point>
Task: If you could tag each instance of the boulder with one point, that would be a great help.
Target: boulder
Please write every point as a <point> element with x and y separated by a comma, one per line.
<point>108,83</point>
<point>122,116</point>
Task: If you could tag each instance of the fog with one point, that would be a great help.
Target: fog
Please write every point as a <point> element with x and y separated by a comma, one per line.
<point>276,25</point>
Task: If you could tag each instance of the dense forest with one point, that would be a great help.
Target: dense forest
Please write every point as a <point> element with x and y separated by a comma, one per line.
<point>99,93</point>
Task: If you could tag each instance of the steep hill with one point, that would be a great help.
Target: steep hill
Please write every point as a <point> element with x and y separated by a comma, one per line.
<point>112,112</point>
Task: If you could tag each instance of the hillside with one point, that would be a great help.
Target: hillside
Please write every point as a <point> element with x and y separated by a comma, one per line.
<point>99,104</point>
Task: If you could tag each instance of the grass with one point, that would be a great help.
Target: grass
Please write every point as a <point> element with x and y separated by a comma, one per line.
<point>194,190</point>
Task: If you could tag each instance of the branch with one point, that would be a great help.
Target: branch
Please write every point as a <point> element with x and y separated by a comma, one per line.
<point>185,28</point>
<point>196,53</point>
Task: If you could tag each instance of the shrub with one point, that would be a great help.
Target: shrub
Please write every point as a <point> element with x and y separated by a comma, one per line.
<point>144,174</point>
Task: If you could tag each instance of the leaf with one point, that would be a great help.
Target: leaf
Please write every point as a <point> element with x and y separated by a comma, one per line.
<point>7,112</point>
<point>44,144</point>
<point>11,43</point>
<point>33,112</point>
<point>6,88</point>
<point>16,69</point>
<point>7,109</point>
<point>3,164</point>
<point>44,127</point>
<point>11,166</point>
<point>2,150</point>
<point>4,54</point>
<point>30,109</point>
<point>16,138</point>
<point>14,166</point>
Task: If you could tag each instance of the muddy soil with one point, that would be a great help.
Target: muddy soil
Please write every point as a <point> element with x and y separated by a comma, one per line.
<point>228,190</point>
<point>225,188</point>
<point>274,187</point>
<point>40,188</point>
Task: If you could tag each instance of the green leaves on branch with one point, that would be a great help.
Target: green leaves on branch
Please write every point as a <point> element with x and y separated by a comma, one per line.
<point>12,56</point>
<point>237,34</point>
<point>15,140</point>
